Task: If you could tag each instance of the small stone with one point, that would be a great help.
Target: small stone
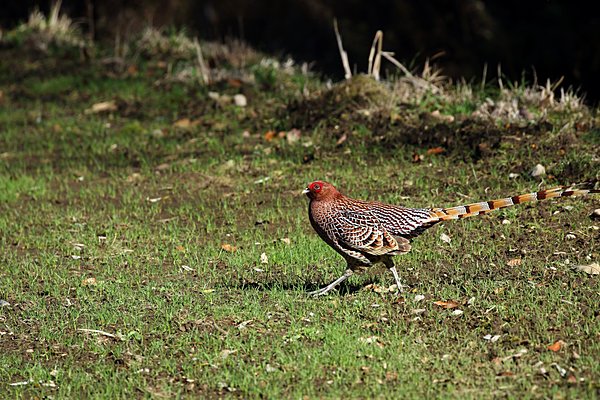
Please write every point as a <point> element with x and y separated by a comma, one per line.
<point>4,303</point>
<point>226,353</point>
<point>445,238</point>
<point>158,133</point>
<point>595,215</point>
<point>264,259</point>
<point>491,338</point>
<point>240,100</point>
<point>592,269</point>
<point>270,368</point>
<point>538,171</point>
<point>293,136</point>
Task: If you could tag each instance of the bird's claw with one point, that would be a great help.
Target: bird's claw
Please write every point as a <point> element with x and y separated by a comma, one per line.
<point>401,288</point>
<point>319,292</point>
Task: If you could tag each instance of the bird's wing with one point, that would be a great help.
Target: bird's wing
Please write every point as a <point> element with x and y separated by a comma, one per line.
<point>402,221</point>
<point>364,232</point>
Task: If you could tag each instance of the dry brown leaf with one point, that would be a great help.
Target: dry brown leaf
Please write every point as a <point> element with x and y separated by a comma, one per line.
<point>89,282</point>
<point>391,376</point>
<point>185,123</point>
<point>556,346</point>
<point>132,70</point>
<point>134,177</point>
<point>446,304</point>
<point>592,269</point>
<point>104,106</point>
<point>269,135</point>
<point>182,123</point>
<point>515,262</point>
<point>234,83</point>
<point>442,117</point>
<point>180,248</point>
<point>506,373</point>
<point>163,167</point>
<point>572,379</point>
<point>435,150</point>
<point>228,248</point>
<point>417,157</point>
<point>341,140</point>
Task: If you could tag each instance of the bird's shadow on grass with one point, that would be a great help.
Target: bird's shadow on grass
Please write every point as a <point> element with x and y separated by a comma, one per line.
<point>306,287</point>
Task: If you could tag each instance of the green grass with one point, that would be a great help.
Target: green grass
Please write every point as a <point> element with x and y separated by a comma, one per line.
<point>115,222</point>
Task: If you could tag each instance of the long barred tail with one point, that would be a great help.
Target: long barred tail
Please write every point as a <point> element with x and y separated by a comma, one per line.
<point>470,210</point>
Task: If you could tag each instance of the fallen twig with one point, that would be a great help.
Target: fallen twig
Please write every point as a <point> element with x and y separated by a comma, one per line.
<point>389,56</point>
<point>107,334</point>
<point>217,327</point>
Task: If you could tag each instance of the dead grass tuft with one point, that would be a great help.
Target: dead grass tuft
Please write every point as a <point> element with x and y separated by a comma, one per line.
<point>41,32</point>
<point>360,95</point>
<point>191,60</point>
<point>413,88</point>
<point>522,103</point>
<point>156,43</point>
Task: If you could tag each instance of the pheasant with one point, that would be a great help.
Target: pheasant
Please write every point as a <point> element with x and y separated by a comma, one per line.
<point>368,232</point>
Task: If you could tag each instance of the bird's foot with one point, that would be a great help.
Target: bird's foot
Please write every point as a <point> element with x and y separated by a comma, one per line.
<point>400,288</point>
<point>397,279</point>
<point>332,285</point>
<point>321,292</point>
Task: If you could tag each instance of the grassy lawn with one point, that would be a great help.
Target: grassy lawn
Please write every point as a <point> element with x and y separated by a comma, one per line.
<point>162,248</point>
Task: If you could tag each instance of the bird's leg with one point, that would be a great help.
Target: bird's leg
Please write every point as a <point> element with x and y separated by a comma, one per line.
<point>397,278</point>
<point>333,284</point>
<point>390,264</point>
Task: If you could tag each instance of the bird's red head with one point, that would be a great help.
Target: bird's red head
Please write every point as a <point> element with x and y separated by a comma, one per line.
<point>318,190</point>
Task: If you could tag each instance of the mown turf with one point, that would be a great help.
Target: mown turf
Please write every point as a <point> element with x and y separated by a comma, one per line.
<point>116,222</point>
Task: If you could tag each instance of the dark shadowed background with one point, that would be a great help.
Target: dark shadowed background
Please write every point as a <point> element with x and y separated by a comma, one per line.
<point>550,39</point>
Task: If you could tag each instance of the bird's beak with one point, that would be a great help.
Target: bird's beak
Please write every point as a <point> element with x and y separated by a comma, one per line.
<point>305,191</point>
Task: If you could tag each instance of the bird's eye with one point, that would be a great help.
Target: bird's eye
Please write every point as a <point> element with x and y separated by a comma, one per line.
<point>317,187</point>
